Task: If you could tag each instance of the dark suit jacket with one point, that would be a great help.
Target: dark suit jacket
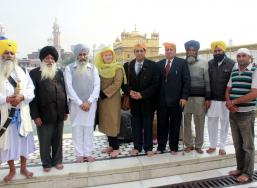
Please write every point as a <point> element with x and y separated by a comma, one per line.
<point>50,102</point>
<point>147,83</point>
<point>178,83</point>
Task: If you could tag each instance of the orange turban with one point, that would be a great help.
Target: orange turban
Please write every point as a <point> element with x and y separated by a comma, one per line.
<point>219,44</point>
<point>8,45</point>
<point>169,45</point>
<point>139,45</point>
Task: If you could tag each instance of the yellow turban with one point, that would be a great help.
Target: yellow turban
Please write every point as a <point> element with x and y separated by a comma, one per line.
<point>8,45</point>
<point>219,44</point>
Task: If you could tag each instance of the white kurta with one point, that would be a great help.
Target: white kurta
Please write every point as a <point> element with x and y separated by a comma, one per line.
<point>78,117</point>
<point>82,122</point>
<point>17,145</point>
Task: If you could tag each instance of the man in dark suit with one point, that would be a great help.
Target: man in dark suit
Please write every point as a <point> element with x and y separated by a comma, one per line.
<point>174,92</point>
<point>49,108</point>
<point>143,75</point>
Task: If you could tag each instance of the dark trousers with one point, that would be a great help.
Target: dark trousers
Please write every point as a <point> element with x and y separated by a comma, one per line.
<point>142,129</point>
<point>50,143</point>
<point>242,129</point>
<point>113,142</point>
<point>168,123</point>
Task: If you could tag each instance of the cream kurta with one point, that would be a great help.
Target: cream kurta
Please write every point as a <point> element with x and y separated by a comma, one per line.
<point>110,108</point>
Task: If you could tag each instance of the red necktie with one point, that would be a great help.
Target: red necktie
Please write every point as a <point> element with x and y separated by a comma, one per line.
<point>167,69</point>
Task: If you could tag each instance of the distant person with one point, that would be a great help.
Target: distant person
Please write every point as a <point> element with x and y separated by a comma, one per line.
<point>49,108</point>
<point>16,91</point>
<point>82,85</point>
<point>199,99</point>
<point>111,76</point>
<point>220,68</point>
<point>241,97</point>
<point>173,96</point>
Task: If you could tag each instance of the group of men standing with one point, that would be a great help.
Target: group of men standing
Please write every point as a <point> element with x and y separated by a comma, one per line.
<point>170,86</point>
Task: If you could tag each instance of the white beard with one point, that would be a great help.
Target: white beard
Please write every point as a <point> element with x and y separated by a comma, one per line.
<point>6,67</point>
<point>81,67</point>
<point>48,72</point>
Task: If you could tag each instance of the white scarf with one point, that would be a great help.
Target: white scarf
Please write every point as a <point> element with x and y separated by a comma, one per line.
<point>26,125</point>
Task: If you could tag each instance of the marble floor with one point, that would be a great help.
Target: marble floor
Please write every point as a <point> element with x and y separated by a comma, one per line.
<point>100,141</point>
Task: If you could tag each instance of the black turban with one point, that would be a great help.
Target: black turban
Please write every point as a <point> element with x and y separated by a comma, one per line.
<point>48,50</point>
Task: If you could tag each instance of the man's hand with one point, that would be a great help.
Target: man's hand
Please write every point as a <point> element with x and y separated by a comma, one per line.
<point>231,107</point>
<point>85,106</point>
<point>135,95</point>
<point>65,117</point>
<point>207,104</point>
<point>15,100</point>
<point>38,122</point>
<point>182,102</point>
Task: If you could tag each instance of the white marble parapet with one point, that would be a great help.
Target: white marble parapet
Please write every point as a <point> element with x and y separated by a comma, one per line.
<point>121,170</point>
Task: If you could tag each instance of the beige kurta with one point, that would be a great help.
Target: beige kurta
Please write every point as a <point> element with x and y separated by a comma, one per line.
<point>110,108</point>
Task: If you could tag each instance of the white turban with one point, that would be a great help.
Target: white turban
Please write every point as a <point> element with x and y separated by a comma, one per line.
<point>78,48</point>
<point>243,51</point>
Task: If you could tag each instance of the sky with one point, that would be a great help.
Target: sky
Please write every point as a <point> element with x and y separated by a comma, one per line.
<point>30,22</point>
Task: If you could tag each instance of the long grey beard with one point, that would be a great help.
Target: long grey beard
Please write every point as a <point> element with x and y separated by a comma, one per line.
<point>191,59</point>
<point>48,72</point>
<point>81,67</point>
<point>6,67</point>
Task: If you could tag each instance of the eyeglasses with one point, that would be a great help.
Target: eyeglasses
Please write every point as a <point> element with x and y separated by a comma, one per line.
<point>243,55</point>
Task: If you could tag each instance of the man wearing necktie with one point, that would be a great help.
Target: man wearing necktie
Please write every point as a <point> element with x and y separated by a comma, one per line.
<point>174,91</point>
<point>143,76</point>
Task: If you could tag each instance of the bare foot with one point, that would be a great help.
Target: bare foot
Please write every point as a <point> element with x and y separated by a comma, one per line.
<point>222,152</point>
<point>211,150</point>
<point>134,152</point>
<point>243,178</point>
<point>173,153</point>
<point>90,159</point>
<point>46,169</point>
<point>114,153</point>
<point>149,153</point>
<point>234,173</point>
<point>59,166</point>
<point>80,159</point>
<point>107,150</point>
<point>26,173</point>
<point>9,177</point>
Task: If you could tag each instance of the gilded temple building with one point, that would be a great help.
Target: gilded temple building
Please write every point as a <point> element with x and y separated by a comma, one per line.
<point>124,46</point>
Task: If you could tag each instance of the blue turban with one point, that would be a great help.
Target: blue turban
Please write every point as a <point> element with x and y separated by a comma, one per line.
<point>78,48</point>
<point>2,38</point>
<point>192,44</point>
